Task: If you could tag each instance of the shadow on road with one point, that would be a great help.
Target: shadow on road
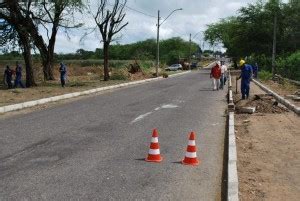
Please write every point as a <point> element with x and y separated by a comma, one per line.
<point>177,162</point>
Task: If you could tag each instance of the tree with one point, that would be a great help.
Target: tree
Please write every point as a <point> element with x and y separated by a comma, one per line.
<point>109,23</point>
<point>32,16</point>
<point>291,19</point>
<point>10,34</point>
<point>251,33</point>
<point>83,54</point>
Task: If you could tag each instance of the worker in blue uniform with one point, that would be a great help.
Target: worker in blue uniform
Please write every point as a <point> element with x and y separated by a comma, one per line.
<point>18,79</point>
<point>8,77</point>
<point>255,70</point>
<point>246,75</point>
<point>63,74</point>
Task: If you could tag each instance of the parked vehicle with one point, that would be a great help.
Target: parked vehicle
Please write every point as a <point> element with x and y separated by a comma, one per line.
<point>193,65</point>
<point>174,67</point>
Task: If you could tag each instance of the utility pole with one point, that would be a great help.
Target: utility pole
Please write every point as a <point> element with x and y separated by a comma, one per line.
<point>158,26</point>
<point>190,51</point>
<point>274,45</point>
<point>157,42</point>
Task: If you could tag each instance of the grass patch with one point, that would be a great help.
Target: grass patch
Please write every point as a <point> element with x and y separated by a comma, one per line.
<point>264,75</point>
<point>77,84</point>
<point>120,74</point>
<point>16,91</point>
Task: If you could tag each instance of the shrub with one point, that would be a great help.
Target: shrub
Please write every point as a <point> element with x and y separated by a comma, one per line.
<point>119,74</point>
<point>264,75</point>
<point>165,75</point>
<point>289,66</point>
<point>146,64</point>
<point>264,62</point>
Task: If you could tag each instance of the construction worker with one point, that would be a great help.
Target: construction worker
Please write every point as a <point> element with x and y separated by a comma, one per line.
<point>18,79</point>
<point>246,75</point>
<point>255,70</point>
<point>63,74</point>
<point>215,74</point>
<point>223,74</point>
<point>8,77</point>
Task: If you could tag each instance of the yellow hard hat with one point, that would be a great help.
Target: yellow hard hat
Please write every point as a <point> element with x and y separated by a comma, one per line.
<point>242,62</point>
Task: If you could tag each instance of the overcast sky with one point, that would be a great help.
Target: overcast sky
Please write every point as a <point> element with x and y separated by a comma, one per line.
<point>194,17</point>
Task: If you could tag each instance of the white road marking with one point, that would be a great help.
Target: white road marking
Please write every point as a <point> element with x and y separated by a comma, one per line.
<point>164,106</point>
<point>139,118</point>
<point>169,106</point>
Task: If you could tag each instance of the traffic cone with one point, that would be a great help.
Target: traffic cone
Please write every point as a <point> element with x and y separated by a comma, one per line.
<point>191,155</point>
<point>154,153</point>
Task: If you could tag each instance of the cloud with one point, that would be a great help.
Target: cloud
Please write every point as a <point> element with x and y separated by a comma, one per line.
<point>234,5</point>
<point>194,17</point>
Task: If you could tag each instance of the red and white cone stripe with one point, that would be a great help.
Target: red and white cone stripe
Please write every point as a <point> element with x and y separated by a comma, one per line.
<point>191,152</point>
<point>154,152</point>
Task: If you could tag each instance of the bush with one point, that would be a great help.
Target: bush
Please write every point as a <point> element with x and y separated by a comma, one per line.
<point>146,64</point>
<point>172,57</point>
<point>264,75</point>
<point>165,75</point>
<point>289,67</point>
<point>119,74</point>
<point>264,62</point>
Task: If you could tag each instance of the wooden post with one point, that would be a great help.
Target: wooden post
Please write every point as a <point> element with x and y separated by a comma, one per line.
<point>236,86</point>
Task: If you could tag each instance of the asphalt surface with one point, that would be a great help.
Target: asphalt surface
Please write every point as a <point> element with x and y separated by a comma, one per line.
<point>94,148</point>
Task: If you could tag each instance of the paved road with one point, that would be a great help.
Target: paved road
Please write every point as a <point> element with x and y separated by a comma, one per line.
<point>94,148</point>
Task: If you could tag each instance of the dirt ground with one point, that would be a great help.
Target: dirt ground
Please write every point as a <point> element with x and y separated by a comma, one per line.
<point>283,89</point>
<point>268,148</point>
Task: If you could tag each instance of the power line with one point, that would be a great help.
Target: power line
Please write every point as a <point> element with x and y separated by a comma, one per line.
<point>146,14</point>
<point>133,9</point>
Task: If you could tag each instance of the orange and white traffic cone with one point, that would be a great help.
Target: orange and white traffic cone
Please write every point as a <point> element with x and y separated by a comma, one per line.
<point>191,155</point>
<point>154,152</point>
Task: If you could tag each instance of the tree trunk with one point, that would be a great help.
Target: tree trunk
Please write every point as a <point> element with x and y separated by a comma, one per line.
<point>25,44</point>
<point>47,62</point>
<point>16,17</point>
<point>106,65</point>
<point>30,82</point>
<point>48,68</point>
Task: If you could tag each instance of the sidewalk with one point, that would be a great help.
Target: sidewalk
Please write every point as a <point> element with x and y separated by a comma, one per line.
<point>268,142</point>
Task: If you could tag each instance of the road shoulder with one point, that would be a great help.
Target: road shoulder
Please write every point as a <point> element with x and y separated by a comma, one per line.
<point>267,152</point>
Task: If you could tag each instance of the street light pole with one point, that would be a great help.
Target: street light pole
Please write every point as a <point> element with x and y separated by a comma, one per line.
<point>190,51</point>
<point>157,53</point>
<point>274,45</point>
<point>158,26</point>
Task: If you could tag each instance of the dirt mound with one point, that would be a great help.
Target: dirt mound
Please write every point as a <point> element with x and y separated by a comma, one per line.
<point>263,104</point>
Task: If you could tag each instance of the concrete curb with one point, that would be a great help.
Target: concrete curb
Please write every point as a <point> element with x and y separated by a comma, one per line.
<point>280,99</point>
<point>231,106</point>
<point>232,174</point>
<point>19,106</point>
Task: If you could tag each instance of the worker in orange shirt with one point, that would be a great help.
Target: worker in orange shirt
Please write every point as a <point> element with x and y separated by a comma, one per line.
<point>215,75</point>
